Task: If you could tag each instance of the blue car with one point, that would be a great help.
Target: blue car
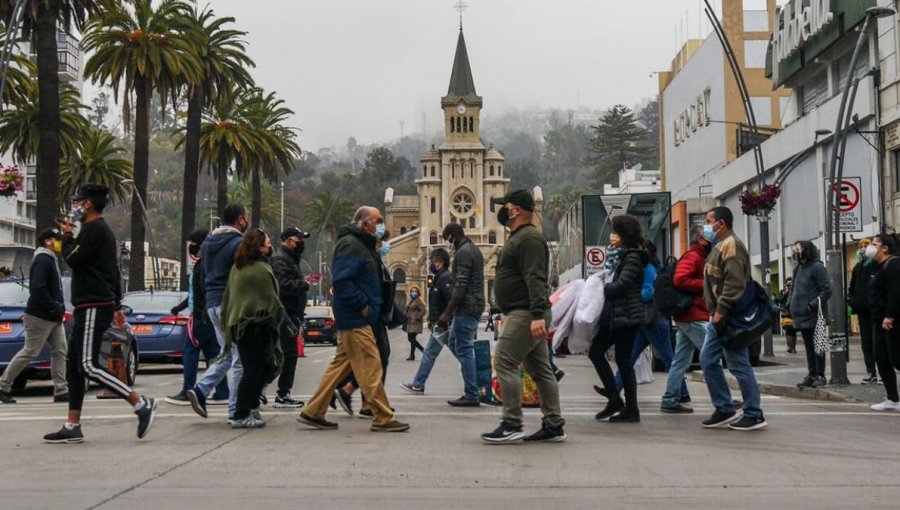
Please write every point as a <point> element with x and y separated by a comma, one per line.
<point>160,335</point>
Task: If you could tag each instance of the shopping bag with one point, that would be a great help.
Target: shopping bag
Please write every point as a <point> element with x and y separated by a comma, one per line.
<point>643,367</point>
<point>587,314</point>
<point>563,303</point>
<point>820,334</point>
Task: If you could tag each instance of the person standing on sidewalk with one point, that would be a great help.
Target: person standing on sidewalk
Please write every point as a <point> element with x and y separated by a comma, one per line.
<point>811,289</point>
<point>415,312</point>
<point>690,324</point>
<point>217,258</point>
<point>292,289</point>
<point>43,319</point>
<point>201,334</point>
<point>858,299</point>
<point>782,301</point>
<point>357,281</point>
<point>726,275</point>
<point>97,297</point>
<point>523,296</point>
<point>885,300</point>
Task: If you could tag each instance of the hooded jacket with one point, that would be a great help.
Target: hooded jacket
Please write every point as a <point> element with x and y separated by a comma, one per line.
<point>292,286</point>
<point>356,278</point>
<point>45,298</point>
<point>811,283</point>
<point>468,284</point>
<point>688,278</point>
<point>217,257</point>
<point>623,293</point>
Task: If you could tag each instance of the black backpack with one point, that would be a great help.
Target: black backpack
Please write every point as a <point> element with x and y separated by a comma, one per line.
<point>668,299</point>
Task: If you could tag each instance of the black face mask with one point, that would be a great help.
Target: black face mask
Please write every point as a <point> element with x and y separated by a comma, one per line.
<point>194,249</point>
<point>300,248</point>
<point>503,216</point>
<point>798,257</point>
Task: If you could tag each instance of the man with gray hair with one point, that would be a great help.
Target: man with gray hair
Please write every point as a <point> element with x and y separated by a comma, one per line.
<point>691,323</point>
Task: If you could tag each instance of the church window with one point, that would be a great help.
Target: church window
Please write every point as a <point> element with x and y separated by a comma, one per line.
<point>472,169</point>
<point>433,206</point>
<point>424,171</point>
<point>453,169</point>
<point>399,275</point>
<point>463,204</point>
<point>458,126</point>
<point>471,221</point>
<point>471,124</point>
<point>492,173</point>
<point>465,125</point>
<point>432,239</point>
<point>452,125</point>
<point>499,169</point>
<point>492,237</point>
<point>402,230</point>
<point>432,170</point>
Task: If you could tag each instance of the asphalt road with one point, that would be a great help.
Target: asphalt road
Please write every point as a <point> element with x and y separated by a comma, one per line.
<point>813,455</point>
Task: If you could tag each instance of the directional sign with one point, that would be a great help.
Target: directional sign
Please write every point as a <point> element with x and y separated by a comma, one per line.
<point>849,203</point>
<point>594,256</point>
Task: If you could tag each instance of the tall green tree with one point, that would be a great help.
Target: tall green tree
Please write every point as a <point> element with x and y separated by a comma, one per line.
<point>136,50</point>
<point>40,22</point>
<point>97,159</point>
<point>617,142</point>
<point>20,126</point>
<point>648,116</point>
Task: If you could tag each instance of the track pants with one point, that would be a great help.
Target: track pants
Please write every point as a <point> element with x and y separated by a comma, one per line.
<point>84,350</point>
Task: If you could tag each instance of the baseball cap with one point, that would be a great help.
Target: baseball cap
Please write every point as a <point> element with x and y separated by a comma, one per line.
<point>89,190</point>
<point>293,231</point>
<point>519,197</point>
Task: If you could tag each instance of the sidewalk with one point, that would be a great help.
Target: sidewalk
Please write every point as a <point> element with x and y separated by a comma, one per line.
<point>780,374</point>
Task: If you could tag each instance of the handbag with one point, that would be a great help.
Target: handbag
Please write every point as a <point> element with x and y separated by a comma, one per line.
<point>820,334</point>
<point>651,314</point>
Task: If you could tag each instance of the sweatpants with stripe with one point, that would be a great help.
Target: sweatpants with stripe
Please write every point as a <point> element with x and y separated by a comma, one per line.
<point>84,351</point>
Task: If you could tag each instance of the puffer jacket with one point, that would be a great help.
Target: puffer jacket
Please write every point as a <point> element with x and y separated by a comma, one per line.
<point>292,286</point>
<point>356,279</point>
<point>468,283</point>
<point>688,278</point>
<point>811,283</point>
<point>439,295</point>
<point>623,293</point>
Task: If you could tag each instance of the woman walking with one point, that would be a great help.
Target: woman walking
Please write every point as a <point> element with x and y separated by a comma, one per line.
<point>415,312</point>
<point>811,289</point>
<point>621,317</point>
<point>252,315</point>
<point>885,302</point>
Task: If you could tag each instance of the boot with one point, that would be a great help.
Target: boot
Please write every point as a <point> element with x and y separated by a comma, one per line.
<point>791,343</point>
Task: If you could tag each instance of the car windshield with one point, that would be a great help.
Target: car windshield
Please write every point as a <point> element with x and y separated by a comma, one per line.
<point>13,293</point>
<point>317,313</point>
<point>147,302</point>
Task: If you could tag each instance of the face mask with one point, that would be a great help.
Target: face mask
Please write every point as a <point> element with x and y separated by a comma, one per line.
<point>871,251</point>
<point>797,256</point>
<point>503,216</point>
<point>379,231</point>
<point>77,213</point>
<point>57,246</point>
<point>300,248</point>
<point>433,268</point>
<point>414,295</point>
<point>709,233</point>
<point>385,249</point>
<point>450,244</point>
<point>194,250</point>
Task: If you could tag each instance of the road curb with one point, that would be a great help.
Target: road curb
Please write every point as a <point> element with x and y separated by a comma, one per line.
<point>784,390</point>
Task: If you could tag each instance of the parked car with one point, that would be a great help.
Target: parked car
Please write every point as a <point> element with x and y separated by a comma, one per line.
<point>160,335</point>
<point>318,325</point>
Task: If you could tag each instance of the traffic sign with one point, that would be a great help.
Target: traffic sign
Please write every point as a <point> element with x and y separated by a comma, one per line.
<point>594,256</point>
<point>849,203</point>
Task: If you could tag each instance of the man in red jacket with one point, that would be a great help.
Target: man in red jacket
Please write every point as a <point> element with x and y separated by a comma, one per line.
<point>691,324</point>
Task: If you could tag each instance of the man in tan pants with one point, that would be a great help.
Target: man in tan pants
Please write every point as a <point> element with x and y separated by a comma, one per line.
<point>357,282</point>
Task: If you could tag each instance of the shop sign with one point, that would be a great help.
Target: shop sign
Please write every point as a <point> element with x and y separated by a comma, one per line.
<point>798,23</point>
<point>692,118</point>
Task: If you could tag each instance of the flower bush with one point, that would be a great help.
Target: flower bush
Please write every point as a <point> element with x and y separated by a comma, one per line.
<point>760,201</point>
<point>11,179</point>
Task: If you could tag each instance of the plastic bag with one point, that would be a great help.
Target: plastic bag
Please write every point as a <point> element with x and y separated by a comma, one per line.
<point>587,314</point>
<point>564,301</point>
<point>643,367</point>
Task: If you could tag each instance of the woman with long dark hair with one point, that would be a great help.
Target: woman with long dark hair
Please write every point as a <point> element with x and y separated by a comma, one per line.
<point>415,312</point>
<point>620,320</point>
<point>885,300</point>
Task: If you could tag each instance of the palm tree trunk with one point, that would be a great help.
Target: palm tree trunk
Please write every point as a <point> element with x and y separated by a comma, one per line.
<point>256,192</point>
<point>221,186</point>
<point>191,176</point>
<point>49,153</point>
<point>142,92</point>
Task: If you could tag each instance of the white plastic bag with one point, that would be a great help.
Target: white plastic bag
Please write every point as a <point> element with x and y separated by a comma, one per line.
<point>563,303</point>
<point>643,367</point>
<point>587,314</point>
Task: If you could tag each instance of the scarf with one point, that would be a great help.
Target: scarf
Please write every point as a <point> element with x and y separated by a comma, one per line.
<point>251,297</point>
<point>613,256</point>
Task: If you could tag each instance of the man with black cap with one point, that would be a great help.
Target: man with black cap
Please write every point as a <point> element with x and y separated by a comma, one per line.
<point>522,293</point>
<point>97,297</point>
<point>292,289</point>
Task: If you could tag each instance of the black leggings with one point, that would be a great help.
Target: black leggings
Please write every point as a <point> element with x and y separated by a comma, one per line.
<point>886,347</point>
<point>414,344</point>
<point>289,369</point>
<point>259,364</point>
<point>815,363</point>
<point>623,339</point>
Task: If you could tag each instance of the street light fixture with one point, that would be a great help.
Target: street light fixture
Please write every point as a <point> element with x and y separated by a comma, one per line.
<point>154,260</point>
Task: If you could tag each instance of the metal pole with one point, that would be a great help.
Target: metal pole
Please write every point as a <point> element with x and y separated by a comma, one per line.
<point>154,261</point>
<point>282,206</point>
<point>321,277</point>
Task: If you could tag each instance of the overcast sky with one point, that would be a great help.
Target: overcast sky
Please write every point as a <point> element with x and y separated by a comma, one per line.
<point>360,67</point>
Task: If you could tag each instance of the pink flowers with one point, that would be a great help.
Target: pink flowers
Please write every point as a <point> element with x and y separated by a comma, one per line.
<point>760,202</point>
<point>11,179</point>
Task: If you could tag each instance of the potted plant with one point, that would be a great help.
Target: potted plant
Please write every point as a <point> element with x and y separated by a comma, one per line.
<point>11,179</point>
<point>760,201</point>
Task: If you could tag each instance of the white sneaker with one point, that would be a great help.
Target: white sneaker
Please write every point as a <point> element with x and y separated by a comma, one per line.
<point>887,405</point>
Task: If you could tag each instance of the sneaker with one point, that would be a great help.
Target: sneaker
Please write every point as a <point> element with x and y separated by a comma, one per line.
<point>547,434</point>
<point>626,416</point>
<point>365,414</point>
<point>287,402</point>
<point>505,433</point>
<point>394,426</point>
<point>217,401</point>
<point>612,407</point>
<point>720,419</point>
<point>317,423</point>
<point>65,436</point>
<point>198,402</point>
<point>345,401</point>
<point>465,402</point>
<point>6,398</point>
<point>250,422</point>
<point>686,399</point>
<point>263,400</point>
<point>62,398</point>
<point>870,378</point>
<point>145,416</point>
<point>256,414</point>
<point>819,382</point>
<point>559,374</point>
<point>178,400</point>
<point>887,405</point>
<point>747,423</point>
<point>676,409</point>
<point>412,388</point>
<point>807,382</point>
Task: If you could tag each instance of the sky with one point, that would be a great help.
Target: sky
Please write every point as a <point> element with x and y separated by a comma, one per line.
<point>361,67</point>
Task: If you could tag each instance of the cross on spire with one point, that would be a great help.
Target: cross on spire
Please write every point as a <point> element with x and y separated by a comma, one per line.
<point>460,6</point>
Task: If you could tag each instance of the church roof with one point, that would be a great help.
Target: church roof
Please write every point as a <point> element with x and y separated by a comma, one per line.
<point>493,155</point>
<point>462,85</point>
<point>431,155</point>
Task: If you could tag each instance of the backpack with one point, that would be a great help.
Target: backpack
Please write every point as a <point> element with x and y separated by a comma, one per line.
<point>749,318</point>
<point>668,299</point>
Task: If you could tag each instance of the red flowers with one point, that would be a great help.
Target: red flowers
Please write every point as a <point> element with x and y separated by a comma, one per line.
<point>760,202</point>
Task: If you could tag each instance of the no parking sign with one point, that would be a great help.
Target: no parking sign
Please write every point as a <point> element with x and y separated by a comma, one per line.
<point>594,256</point>
<point>850,203</point>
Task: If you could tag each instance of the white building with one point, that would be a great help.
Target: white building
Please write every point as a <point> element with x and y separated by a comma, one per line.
<point>635,180</point>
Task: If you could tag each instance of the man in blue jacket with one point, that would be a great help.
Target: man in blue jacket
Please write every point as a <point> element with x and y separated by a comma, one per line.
<point>356,278</point>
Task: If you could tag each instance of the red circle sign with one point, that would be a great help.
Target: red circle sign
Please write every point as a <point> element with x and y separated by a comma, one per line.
<point>848,194</point>
<point>595,257</point>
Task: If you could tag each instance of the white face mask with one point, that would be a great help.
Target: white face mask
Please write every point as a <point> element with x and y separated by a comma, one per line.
<point>871,251</point>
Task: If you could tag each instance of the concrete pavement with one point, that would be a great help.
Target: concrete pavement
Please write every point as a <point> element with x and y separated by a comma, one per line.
<point>814,454</point>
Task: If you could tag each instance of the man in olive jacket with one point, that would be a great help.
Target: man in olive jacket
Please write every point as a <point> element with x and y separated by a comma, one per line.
<point>522,293</point>
<point>726,276</point>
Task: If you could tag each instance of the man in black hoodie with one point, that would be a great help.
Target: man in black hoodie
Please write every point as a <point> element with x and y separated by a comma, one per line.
<point>292,289</point>
<point>97,297</point>
<point>43,319</point>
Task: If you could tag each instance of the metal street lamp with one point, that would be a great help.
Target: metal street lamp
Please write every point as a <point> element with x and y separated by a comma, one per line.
<point>154,260</point>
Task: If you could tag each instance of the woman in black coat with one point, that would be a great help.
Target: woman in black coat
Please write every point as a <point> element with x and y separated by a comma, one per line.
<point>621,317</point>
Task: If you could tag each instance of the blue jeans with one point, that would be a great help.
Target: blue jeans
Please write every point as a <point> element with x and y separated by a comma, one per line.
<point>738,364</point>
<point>461,343</point>
<point>205,336</point>
<point>216,372</point>
<point>690,336</point>
<point>656,335</point>
<point>432,349</point>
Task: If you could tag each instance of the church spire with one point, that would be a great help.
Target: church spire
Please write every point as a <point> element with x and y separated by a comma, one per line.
<point>462,85</point>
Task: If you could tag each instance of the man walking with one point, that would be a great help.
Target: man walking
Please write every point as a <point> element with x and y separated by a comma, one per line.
<point>217,257</point>
<point>690,324</point>
<point>356,278</point>
<point>727,273</point>
<point>43,319</point>
<point>523,297</point>
<point>292,289</point>
<point>97,297</point>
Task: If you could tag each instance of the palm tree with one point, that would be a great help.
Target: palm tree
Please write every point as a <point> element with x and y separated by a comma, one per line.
<point>225,65</point>
<point>40,24</point>
<point>20,126</point>
<point>136,48</point>
<point>96,160</point>
<point>327,212</point>
<point>19,78</point>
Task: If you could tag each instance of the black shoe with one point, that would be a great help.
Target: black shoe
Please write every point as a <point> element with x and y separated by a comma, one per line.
<point>626,416</point>
<point>65,436</point>
<point>263,400</point>
<point>686,399</point>
<point>178,400</point>
<point>601,391</point>
<point>612,407</point>
<point>198,402</point>
<point>345,400</point>
<point>505,433</point>
<point>746,423</point>
<point>677,409</point>
<point>819,382</point>
<point>807,382</point>
<point>6,398</point>
<point>287,402</point>
<point>394,426</point>
<point>367,414</point>
<point>62,398</point>
<point>720,419</point>
<point>411,358</point>
<point>547,434</point>
<point>464,402</point>
<point>559,374</point>
<point>145,416</point>
<point>317,423</point>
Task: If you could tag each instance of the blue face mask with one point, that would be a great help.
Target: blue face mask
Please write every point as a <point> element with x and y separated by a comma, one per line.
<point>414,295</point>
<point>433,268</point>
<point>385,249</point>
<point>709,233</point>
<point>77,213</point>
<point>379,231</point>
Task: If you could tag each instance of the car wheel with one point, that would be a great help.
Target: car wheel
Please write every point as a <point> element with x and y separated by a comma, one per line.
<point>131,366</point>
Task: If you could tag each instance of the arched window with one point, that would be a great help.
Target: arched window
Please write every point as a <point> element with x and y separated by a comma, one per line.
<point>458,125</point>
<point>433,206</point>
<point>492,237</point>
<point>499,169</point>
<point>432,239</point>
<point>402,230</point>
<point>452,125</point>
<point>424,171</point>
<point>472,169</point>
<point>472,222</point>
<point>399,275</point>
<point>432,170</point>
<point>492,170</point>
<point>453,169</point>
<point>465,125</point>
<point>472,124</point>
